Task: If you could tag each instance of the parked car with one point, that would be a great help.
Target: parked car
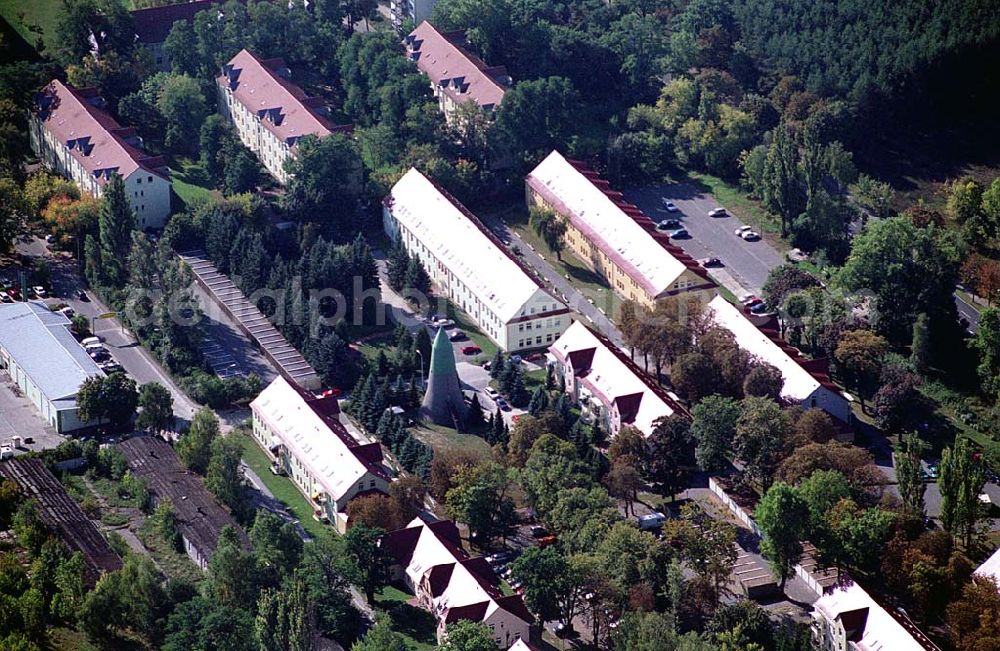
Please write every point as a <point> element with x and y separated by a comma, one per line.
<point>746,297</point>
<point>798,255</point>
<point>502,404</point>
<point>487,365</point>
<point>718,212</point>
<point>712,262</point>
<point>668,205</point>
<point>750,299</point>
<point>13,293</point>
<point>444,323</point>
<point>742,229</point>
<point>759,308</point>
<point>67,312</point>
<point>457,335</point>
<point>491,392</point>
<point>539,531</point>
<point>751,236</point>
<point>516,359</point>
<point>545,541</point>
<point>679,234</point>
<point>50,238</point>
<point>6,298</point>
<point>40,291</point>
<point>668,225</point>
<point>82,296</point>
<point>471,350</point>
<point>534,357</point>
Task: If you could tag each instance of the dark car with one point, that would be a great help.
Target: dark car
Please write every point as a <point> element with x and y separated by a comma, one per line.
<point>668,225</point>
<point>539,531</point>
<point>82,296</point>
<point>712,262</point>
<point>759,308</point>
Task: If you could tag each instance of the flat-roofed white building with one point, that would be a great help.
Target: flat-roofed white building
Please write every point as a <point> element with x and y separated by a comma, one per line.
<point>806,381</point>
<point>304,436</point>
<point>846,618</point>
<point>46,363</point>
<point>612,236</point>
<point>603,380</point>
<point>75,138</point>
<point>430,561</point>
<point>457,75</point>
<point>471,267</point>
<point>270,113</point>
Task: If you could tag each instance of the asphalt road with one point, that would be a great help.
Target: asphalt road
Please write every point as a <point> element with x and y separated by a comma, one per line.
<point>968,312</point>
<point>136,361</point>
<point>711,237</point>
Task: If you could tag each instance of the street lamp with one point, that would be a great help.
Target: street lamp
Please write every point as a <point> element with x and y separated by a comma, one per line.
<point>421,353</point>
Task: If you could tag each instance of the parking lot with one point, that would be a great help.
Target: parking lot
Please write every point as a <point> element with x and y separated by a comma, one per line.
<point>710,237</point>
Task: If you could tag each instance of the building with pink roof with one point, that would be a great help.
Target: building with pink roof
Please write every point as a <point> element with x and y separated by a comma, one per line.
<point>456,75</point>
<point>74,137</point>
<point>270,113</point>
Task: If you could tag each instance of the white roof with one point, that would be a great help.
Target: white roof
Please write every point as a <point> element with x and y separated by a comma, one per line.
<point>991,567</point>
<point>488,271</point>
<point>41,343</point>
<point>520,645</point>
<point>619,235</point>
<point>463,588</point>
<point>799,383</point>
<point>310,440</point>
<point>611,377</point>
<point>882,632</point>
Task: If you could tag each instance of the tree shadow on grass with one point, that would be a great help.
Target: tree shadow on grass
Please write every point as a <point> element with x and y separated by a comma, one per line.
<point>413,622</point>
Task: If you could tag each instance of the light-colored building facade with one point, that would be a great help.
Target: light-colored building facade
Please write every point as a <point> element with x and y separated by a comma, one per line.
<point>613,237</point>
<point>806,382</point>
<point>75,138</point>
<point>269,112</point>
<point>415,11</point>
<point>45,362</point>
<point>304,437</point>
<point>457,76</point>
<point>607,384</point>
<point>430,561</point>
<point>846,618</point>
<point>470,267</point>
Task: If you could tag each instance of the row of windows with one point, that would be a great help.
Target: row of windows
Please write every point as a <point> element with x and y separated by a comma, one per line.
<point>521,343</point>
<point>521,327</point>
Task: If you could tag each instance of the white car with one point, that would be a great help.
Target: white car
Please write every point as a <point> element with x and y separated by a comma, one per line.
<point>491,392</point>
<point>750,236</point>
<point>717,212</point>
<point>40,291</point>
<point>444,323</point>
<point>669,206</point>
<point>742,229</point>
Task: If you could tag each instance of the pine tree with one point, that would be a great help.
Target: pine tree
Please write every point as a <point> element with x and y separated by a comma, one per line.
<point>360,396</point>
<point>539,401</point>
<point>93,268</point>
<point>498,426</point>
<point>402,336</point>
<point>518,392</point>
<point>564,410</point>
<point>385,425</point>
<point>396,267</point>
<point>409,452</point>
<point>423,344</point>
<point>920,347</point>
<point>497,365</point>
<point>376,406</point>
<point>550,381</point>
<point>474,416</point>
<point>381,364</point>
<point>115,222</point>
<point>416,279</point>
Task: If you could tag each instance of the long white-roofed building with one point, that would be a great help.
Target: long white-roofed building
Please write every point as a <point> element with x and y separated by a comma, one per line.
<point>471,267</point>
<point>612,236</point>
<point>606,383</point>
<point>305,438</point>
<point>45,362</point>
<point>806,382</point>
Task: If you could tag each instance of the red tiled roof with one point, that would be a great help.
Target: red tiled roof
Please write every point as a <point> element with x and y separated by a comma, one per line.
<point>95,139</point>
<point>472,612</point>
<point>460,74</point>
<point>628,406</point>
<point>514,605</point>
<point>283,108</point>
<point>153,24</point>
<point>439,577</point>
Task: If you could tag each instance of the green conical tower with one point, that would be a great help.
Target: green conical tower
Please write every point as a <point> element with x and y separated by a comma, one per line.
<point>443,402</point>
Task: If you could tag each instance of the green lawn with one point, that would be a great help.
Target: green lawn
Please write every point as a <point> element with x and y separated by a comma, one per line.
<point>190,182</point>
<point>282,487</point>
<point>32,19</point>
<point>441,438</point>
<point>591,285</point>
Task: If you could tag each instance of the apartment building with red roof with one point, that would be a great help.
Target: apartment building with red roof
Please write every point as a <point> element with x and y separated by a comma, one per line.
<point>73,136</point>
<point>429,560</point>
<point>456,75</point>
<point>270,113</point>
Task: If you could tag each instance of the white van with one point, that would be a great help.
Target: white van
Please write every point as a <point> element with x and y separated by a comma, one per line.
<point>91,341</point>
<point>651,521</point>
